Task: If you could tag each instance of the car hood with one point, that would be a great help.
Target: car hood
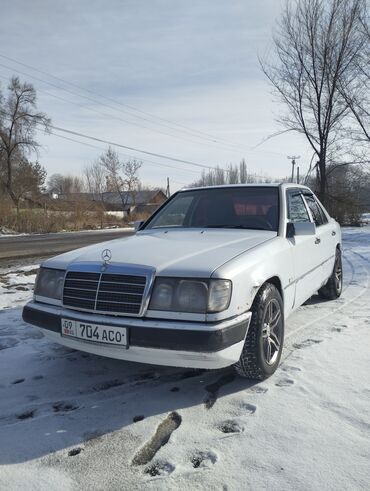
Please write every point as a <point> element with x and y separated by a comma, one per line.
<point>189,253</point>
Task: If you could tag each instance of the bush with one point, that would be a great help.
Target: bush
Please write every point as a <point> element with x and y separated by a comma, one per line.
<point>347,193</point>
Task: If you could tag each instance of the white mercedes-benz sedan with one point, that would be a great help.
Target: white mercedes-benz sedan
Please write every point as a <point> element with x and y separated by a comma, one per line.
<point>207,281</point>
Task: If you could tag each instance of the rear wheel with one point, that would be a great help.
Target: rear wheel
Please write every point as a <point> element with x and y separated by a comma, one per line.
<point>333,287</point>
<point>264,342</point>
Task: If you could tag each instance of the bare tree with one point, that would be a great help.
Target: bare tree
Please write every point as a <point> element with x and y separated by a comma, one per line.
<point>96,184</point>
<point>233,174</point>
<point>316,47</point>
<point>95,176</point>
<point>243,174</point>
<point>356,91</point>
<point>111,165</point>
<point>18,122</point>
<point>65,184</point>
<point>219,176</point>
<point>130,178</point>
<point>56,184</point>
<point>122,177</point>
<point>212,177</point>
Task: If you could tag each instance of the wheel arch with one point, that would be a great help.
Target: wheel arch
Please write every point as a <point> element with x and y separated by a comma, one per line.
<point>273,280</point>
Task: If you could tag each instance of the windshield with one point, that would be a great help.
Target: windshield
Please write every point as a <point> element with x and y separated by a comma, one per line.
<point>239,207</point>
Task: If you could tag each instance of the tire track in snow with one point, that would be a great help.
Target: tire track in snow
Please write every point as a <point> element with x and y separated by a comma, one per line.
<point>292,335</point>
<point>158,440</point>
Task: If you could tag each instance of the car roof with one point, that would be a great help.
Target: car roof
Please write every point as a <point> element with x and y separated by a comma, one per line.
<point>283,185</point>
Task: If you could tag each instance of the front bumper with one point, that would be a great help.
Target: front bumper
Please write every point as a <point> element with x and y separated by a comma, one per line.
<point>160,342</point>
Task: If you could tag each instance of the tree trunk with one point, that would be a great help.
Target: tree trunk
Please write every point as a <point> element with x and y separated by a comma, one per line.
<point>322,188</point>
<point>17,208</point>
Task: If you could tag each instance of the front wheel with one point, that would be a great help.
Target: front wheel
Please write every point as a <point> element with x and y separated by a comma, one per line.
<point>264,342</point>
<point>333,287</point>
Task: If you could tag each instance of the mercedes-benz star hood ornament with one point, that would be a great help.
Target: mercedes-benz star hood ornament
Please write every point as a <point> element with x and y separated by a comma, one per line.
<point>106,255</point>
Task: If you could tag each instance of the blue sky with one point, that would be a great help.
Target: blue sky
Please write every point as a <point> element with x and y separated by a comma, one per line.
<point>194,63</point>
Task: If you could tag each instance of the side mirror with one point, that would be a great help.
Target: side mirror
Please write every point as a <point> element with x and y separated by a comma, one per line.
<point>138,224</point>
<point>300,228</point>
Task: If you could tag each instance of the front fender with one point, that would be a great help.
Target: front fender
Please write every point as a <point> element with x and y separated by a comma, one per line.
<point>250,270</point>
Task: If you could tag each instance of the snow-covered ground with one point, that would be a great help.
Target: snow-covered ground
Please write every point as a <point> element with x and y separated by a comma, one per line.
<point>366,217</point>
<point>70,420</point>
<point>106,229</point>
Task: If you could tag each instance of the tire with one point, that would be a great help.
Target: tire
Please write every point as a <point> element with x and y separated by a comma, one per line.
<point>255,362</point>
<point>333,287</point>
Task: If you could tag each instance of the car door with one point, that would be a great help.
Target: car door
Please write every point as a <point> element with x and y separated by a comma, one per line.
<point>324,236</point>
<point>305,250</point>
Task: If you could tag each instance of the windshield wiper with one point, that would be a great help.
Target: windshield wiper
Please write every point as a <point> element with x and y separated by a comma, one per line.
<point>234,226</point>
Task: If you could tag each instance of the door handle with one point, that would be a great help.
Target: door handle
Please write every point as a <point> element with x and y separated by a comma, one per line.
<point>317,241</point>
<point>334,232</point>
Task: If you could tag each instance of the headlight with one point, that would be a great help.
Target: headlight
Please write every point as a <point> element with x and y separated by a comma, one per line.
<point>49,283</point>
<point>162,294</point>
<point>196,296</point>
<point>192,296</point>
<point>219,295</point>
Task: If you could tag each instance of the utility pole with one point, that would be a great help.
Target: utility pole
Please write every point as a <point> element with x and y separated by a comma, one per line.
<point>168,193</point>
<point>297,174</point>
<point>293,159</point>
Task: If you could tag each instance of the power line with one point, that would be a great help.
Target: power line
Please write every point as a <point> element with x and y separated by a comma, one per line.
<point>169,124</point>
<point>132,108</point>
<point>126,147</point>
<point>208,141</point>
<point>149,162</point>
<point>146,152</point>
<point>111,116</point>
<point>146,161</point>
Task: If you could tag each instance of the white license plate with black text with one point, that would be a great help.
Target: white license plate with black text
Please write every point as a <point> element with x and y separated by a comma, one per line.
<point>96,333</point>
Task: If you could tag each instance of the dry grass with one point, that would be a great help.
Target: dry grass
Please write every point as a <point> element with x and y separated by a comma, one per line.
<point>41,221</point>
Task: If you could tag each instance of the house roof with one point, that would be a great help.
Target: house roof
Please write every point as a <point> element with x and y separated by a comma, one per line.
<point>139,198</point>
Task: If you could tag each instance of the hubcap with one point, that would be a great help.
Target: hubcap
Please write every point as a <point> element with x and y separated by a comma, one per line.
<point>272,332</point>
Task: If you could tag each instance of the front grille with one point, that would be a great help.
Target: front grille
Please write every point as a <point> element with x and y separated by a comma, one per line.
<point>104,292</point>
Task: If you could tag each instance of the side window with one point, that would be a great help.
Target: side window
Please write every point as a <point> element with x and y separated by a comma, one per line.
<point>315,210</point>
<point>176,213</point>
<point>324,218</point>
<point>297,211</point>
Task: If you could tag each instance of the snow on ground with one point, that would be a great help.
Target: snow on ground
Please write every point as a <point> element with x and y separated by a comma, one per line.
<point>11,235</point>
<point>16,285</point>
<point>107,229</point>
<point>366,217</point>
<point>71,420</point>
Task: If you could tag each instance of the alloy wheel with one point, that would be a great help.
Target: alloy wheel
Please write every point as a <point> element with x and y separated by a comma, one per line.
<point>272,331</point>
<point>338,274</point>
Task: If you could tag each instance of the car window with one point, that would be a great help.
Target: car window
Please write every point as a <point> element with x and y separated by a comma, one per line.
<point>297,211</point>
<point>315,210</point>
<point>176,212</point>
<point>324,217</point>
<point>234,207</point>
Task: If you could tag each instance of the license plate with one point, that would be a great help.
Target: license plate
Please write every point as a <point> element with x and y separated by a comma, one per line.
<point>95,333</point>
